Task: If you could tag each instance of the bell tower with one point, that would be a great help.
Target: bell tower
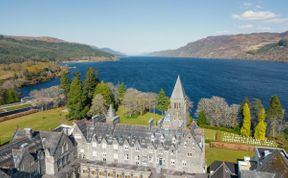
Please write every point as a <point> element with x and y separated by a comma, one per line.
<point>176,115</point>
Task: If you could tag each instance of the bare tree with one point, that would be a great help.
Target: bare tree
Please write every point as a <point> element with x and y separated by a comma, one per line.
<point>218,112</point>
<point>98,106</point>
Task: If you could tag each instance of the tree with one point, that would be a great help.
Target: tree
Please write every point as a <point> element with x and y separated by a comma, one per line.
<point>121,92</point>
<point>98,106</point>
<point>103,89</point>
<point>275,114</point>
<point>65,82</point>
<point>163,101</point>
<point>202,120</point>
<point>246,124</point>
<point>10,96</point>
<point>256,107</point>
<point>260,129</point>
<point>75,103</point>
<point>89,86</point>
<point>218,112</point>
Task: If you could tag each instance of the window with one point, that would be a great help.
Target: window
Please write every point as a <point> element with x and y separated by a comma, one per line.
<point>150,158</point>
<point>189,154</point>
<point>172,162</point>
<point>126,147</point>
<point>115,156</point>
<point>94,144</point>
<point>104,145</point>
<point>137,148</point>
<point>137,158</point>
<point>184,163</point>
<point>115,146</point>
<point>93,172</point>
<point>185,143</point>
<point>127,156</point>
<point>63,148</point>
<point>94,153</point>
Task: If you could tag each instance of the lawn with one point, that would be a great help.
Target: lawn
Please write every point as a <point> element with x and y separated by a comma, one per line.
<point>220,154</point>
<point>139,120</point>
<point>45,120</point>
<point>14,107</point>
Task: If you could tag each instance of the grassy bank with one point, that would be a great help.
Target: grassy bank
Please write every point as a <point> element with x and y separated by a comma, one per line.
<point>213,154</point>
<point>137,120</point>
<point>45,120</point>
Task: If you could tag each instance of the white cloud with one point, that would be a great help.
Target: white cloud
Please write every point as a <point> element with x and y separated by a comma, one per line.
<point>258,6</point>
<point>277,20</point>
<point>247,4</point>
<point>254,15</point>
<point>246,26</point>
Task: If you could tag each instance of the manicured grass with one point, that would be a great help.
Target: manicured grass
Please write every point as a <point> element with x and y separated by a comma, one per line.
<point>210,134</point>
<point>213,154</point>
<point>139,120</point>
<point>45,120</point>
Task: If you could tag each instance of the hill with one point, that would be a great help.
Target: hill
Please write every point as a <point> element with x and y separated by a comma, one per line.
<point>255,46</point>
<point>15,49</point>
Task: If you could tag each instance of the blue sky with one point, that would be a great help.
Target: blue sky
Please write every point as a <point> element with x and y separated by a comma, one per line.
<point>139,26</point>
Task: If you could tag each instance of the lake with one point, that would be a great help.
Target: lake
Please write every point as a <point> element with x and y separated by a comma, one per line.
<point>231,79</point>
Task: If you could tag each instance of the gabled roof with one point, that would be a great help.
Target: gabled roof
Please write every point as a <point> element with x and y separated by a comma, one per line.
<point>276,162</point>
<point>178,91</point>
<point>52,140</point>
<point>231,166</point>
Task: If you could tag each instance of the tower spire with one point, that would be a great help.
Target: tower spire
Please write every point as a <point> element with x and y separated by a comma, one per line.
<point>178,91</point>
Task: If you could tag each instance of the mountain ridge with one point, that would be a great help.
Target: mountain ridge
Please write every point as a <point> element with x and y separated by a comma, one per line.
<point>24,48</point>
<point>253,46</point>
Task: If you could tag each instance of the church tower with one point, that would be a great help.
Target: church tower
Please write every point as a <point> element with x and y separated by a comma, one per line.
<point>176,115</point>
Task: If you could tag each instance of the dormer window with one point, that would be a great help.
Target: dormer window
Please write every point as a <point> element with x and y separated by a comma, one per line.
<point>94,144</point>
<point>126,147</point>
<point>152,138</point>
<point>174,140</point>
<point>104,145</point>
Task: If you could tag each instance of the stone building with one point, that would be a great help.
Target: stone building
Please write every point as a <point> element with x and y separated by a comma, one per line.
<point>102,147</point>
<point>37,153</point>
<point>168,148</point>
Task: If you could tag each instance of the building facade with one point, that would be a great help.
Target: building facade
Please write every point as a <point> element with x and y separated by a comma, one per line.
<point>169,146</point>
<point>102,147</point>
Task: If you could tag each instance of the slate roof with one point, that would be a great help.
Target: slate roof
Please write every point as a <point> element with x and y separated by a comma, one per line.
<point>233,167</point>
<point>276,162</point>
<point>178,91</point>
<point>135,134</point>
<point>220,169</point>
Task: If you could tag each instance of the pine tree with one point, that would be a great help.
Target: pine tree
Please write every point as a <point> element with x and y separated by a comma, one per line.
<point>202,120</point>
<point>74,99</point>
<point>163,101</point>
<point>10,96</point>
<point>275,114</point>
<point>89,86</point>
<point>121,92</point>
<point>256,107</point>
<point>103,89</point>
<point>260,130</point>
<point>246,124</point>
<point>65,82</point>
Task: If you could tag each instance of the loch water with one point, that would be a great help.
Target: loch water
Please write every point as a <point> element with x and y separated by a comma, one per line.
<point>231,79</point>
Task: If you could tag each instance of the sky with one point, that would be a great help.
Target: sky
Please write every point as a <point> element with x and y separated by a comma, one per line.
<point>140,26</point>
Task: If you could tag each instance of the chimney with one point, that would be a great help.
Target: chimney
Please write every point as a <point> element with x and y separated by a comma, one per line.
<point>28,132</point>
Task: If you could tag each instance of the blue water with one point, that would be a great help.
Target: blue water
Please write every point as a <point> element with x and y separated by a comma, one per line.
<point>231,79</point>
